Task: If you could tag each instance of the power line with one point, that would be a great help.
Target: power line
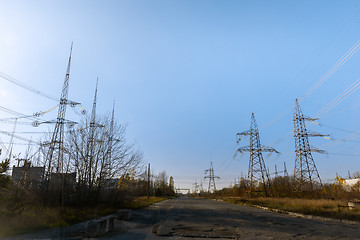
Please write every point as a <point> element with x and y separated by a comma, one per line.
<point>34,90</point>
<point>319,82</point>
<point>331,72</point>
<point>18,137</point>
<point>20,115</point>
<point>25,86</point>
<point>336,101</point>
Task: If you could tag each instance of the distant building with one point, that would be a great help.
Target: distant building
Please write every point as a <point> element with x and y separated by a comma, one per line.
<point>110,183</point>
<point>27,176</point>
<point>56,179</point>
<point>349,183</point>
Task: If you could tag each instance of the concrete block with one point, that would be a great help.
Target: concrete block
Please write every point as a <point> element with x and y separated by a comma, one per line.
<point>353,204</point>
<point>124,214</point>
<point>100,226</point>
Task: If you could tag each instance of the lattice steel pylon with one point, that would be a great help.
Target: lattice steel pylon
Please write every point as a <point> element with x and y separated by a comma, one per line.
<point>257,170</point>
<point>211,177</point>
<point>57,140</point>
<point>305,171</point>
<point>91,139</point>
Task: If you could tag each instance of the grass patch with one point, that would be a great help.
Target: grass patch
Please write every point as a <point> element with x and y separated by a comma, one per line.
<point>141,202</point>
<point>317,207</point>
<point>38,218</point>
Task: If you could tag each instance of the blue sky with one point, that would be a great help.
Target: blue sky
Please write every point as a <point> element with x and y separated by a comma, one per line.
<point>186,75</point>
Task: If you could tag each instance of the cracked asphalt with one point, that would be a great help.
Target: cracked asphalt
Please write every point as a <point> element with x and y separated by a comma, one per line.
<point>190,218</point>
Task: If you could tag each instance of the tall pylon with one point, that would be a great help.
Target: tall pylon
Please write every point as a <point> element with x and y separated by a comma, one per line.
<point>285,171</point>
<point>111,139</point>
<point>111,130</point>
<point>57,139</point>
<point>305,171</point>
<point>91,136</point>
<point>257,170</point>
<point>196,187</point>
<point>211,177</point>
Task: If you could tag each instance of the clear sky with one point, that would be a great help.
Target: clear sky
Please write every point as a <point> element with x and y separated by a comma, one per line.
<point>186,75</point>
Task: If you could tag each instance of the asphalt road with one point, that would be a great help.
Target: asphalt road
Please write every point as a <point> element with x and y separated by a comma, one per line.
<point>188,218</point>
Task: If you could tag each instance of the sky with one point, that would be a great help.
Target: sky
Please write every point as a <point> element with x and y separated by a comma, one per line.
<point>186,76</point>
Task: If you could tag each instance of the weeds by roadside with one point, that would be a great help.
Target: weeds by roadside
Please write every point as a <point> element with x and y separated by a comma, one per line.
<point>317,207</point>
<point>35,218</point>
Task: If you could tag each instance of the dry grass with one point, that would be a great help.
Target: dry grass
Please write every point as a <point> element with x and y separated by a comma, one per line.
<point>318,207</point>
<point>38,218</point>
<point>141,202</point>
<point>29,220</point>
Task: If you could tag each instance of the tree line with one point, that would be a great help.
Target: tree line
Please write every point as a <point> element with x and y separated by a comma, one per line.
<point>98,165</point>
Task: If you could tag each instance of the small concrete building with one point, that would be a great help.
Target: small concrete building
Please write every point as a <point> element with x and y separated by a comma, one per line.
<point>27,176</point>
<point>56,179</point>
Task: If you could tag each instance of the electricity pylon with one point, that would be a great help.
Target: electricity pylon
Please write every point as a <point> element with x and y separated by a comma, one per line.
<point>57,139</point>
<point>91,140</point>
<point>257,170</point>
<point>285,171</point>
<point>196,187</point>
<point>211,178</point>
<point>305,171</point>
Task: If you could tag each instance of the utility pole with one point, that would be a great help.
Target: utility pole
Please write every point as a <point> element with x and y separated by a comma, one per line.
<point>257,170</point>
<point>276,172</point>
<point>211,178</point>
<point>305,171</point>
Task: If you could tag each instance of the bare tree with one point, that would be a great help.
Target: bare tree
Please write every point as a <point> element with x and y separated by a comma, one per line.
<point>98,156</point>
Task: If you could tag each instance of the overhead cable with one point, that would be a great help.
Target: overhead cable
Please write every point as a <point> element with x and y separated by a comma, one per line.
<point>23,85</point>
<point>336,101</point>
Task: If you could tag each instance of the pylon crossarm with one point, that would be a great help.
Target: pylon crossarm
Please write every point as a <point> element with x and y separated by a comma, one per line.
<point>239,135</point>
<point>243,149</point>
<point>245,133</point>
<point>72,103</point>
<point>69,122</point>
<point>316,134</point>
<point>310,119</point>
<point>268,149</point>
<point>315,149</point>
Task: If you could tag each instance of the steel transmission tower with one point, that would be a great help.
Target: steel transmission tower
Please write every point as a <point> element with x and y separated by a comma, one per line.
<point>57,140</point>
<point>196,187</point>
<point>257,170</point>
<point>285,171</point>
<point>305,171</point>
<point>211,178</point>
<point>91,140</point>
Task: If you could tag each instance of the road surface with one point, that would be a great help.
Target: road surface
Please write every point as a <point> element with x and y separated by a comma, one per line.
<point>189,218</point>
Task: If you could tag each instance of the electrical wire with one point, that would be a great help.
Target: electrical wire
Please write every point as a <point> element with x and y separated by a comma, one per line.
<point>331,72</point>
<point>25,86</point>
<point>319,82</point>
<point>344,110</point>
<point>19,115</point>
<point>34,90</point>
<point>340,98</point>
<point>18,137</point>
